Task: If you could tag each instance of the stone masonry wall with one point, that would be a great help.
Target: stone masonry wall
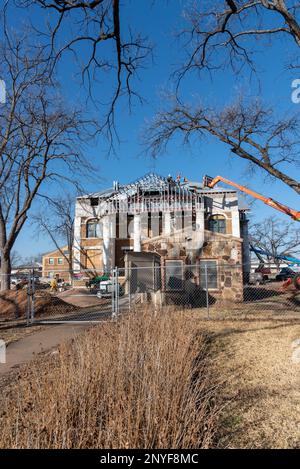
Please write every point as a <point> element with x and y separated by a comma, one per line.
<point>228,252</point>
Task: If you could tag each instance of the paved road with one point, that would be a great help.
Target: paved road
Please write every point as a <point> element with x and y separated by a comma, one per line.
<point>25,349</point>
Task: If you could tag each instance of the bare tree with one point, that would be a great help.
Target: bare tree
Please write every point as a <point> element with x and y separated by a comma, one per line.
<point>221,34</point>
<point>250,131</point>
<point>104,47</point>
<point>33,259</point>
<point>16,258</point>
<point>276,238</point>
<point>56,221</point>
<point>228,32</point>
<point>40,140</point>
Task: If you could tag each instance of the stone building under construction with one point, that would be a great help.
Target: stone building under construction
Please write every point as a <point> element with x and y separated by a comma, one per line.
<point>180,221</point>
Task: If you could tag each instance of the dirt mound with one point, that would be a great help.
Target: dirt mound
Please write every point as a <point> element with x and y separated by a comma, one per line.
<point>13,304</point>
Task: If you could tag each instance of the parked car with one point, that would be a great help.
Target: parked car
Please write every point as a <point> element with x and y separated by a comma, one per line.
<point>285,273</point>
<point>14,280</point>
<point>265,272</point>
<point>106,288</point>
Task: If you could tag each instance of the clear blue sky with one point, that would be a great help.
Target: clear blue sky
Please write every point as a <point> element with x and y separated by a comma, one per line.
<point>159,20</point>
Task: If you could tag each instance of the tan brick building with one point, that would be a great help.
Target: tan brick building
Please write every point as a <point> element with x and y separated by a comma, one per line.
<point>54,263</point>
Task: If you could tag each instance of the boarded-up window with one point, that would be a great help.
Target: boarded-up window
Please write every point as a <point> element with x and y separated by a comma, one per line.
<point>209,274</point>
<point>93,259</point>
<point>174,275</point>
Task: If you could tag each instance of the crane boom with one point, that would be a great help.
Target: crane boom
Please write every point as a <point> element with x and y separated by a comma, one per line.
<point>211,182</point>
<point>261,252</point>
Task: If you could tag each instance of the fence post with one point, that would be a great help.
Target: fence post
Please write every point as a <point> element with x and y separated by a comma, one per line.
<point>32,296</point>
<point>206,288</point>
<point>117,291</point>
<point>113,294</point>
<point>128,284</point>
<point>28,312</point>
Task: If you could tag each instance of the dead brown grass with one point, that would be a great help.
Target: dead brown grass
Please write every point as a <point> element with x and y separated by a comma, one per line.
<point>262,382</point>
<point>147,381</point>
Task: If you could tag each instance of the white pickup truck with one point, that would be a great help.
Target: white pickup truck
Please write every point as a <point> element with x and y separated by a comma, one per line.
<point>106,288</point>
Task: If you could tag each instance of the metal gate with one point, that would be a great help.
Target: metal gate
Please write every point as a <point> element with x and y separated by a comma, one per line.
<point>72,305</point>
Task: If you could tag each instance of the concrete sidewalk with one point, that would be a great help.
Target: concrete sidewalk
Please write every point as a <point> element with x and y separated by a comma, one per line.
<point>25,349</point>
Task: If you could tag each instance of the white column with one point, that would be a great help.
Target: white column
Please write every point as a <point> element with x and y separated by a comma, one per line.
<point>167,223</point>
<point>106,244</point>
<point>137,233</point>
<point>76,244</point>
<point>200,227</point>
<point>236,223</point>
<point>112,255</point>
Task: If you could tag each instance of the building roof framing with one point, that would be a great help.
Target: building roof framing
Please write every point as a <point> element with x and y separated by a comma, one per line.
<point>150,193</point>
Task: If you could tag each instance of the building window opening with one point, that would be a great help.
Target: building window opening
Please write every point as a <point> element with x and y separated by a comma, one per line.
<point>217,224</point>
<point>160,223</point>
<point>149,227</point>
<point>94,201</point>
<point>209,274</point>
<point>174,275</point>
<point>93,229</point>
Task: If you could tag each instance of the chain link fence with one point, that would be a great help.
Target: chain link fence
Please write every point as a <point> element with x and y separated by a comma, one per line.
<point>53,300</point>
<point>213,288</point>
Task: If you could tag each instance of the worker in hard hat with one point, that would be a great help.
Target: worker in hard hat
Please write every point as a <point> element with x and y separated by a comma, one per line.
<point>53,285</point>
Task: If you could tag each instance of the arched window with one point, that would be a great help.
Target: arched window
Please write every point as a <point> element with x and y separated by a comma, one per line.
<point>217,224</point>
<point>93,229</point>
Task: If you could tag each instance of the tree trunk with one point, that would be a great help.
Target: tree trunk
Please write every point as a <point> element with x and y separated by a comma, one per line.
<point>5,271</point>
<point>70,262</point>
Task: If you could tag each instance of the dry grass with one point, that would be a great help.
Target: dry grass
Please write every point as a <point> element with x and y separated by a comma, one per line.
<point>147,381</point>
<point>150,381</point>
<point>262,382</point>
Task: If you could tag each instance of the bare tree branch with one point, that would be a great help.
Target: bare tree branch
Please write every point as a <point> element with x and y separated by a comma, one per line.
<point>250,131</point>
<point>216,33</point>
<point>101,43</point>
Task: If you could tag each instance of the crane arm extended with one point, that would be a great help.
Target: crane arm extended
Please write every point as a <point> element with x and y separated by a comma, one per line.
<point>260,252</point>
<point>211,182</point>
